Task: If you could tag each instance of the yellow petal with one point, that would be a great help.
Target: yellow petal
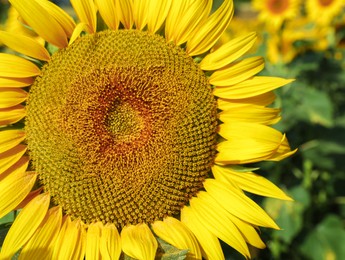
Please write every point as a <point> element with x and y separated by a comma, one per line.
<point>43,24</point>
<point>206,35</point>
<point>184,18</point>
<point>29,197</point>
<point>177,234</point>
<point>260,100</point>
<point>6,82</point>
<point>158,11</point>
<point>24,45</point>
<point>107,10</point>
<point>125,12</point>
<point>110,244</point>
<point>17,67</point>
<point>250,113</point>
<point>65,20</point>
<point>251,87</point>
<point>249,181</point>
<point>86,12</point>
<point>238,204</point>
<point>81,27</point>
<point>10,139</point>
<point>69,243</point>
<point>250,142</point>
<point>213,218</point>
<point>13,189</point>
<point>237,72</point>
<point>249,232</point>
<point>25,225</point>
<point>20,165</point>
<point>178,9</point>
<point>138,242</point>
<point>11,96</point>
<point>208,241</point>
<point>93,238</point>
<point>140,13</point>
<point>283,151</point>
<point>11,115</point>
<point>10,157</point>
<point>228,52</point>
<point>40,246</point>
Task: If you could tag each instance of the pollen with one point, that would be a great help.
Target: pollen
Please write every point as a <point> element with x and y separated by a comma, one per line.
<point>121,128</point>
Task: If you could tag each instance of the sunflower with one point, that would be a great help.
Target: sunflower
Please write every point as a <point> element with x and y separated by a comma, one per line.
<point>275,12</point>
<point>131,130</point>
<point>323,12</point>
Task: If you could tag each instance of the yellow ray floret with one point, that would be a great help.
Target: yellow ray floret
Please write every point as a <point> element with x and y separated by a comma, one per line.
<point>249,181</point>
<point>184,17</point>
<point>212,217</point>
<point>238,204</point>
<point>93,238</point>
<point>11,96</point>
<point>40,245</point>
<point>228,52</point>
<point>260,100</point>
<point>10,157</point>
<point>110,244</point>
<point>14,188</point>
<point>107,10</point>
<point>249,232</point>
<point>11,115</point>
<point>264,143</point>
<point>206,35</point>
<point>140,13</point>
<point>10,139</point>
<point>86,11</point>
<point>252,87</point>
<point>64,19</point>
<point>81,27</point>
<point>8,82</point>
<point>158,11</point>
<point>124,9</point>
<point>138,242</point>
<point>17,67</point>
<point>237,72</point>
<point>250,113</point>
<point>210,245</point>
<point>25,225</point>
<point>177,234</point>
<point>44,25</point>
<point>70,243</point>
<point>24,45</point>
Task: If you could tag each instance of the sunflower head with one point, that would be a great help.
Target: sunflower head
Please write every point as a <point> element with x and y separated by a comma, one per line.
<point>133,134</point>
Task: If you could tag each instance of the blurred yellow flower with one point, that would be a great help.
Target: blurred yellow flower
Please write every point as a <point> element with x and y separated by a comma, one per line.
<point>323,12</point>
<point>275,12</point>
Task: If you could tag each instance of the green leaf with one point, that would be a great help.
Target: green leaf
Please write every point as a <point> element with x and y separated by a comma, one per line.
<point>169,252</point>
<point>4,228</point>
<point>326,241</point>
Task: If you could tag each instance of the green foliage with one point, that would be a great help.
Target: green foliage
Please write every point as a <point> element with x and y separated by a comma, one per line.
<point>313,116</point>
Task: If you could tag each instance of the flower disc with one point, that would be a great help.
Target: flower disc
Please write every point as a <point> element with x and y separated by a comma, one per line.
<point>121,128</point>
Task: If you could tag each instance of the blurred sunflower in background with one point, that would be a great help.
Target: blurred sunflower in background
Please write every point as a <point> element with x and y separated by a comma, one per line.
<point>275,12</point>
<point>324,12</point>
<point>130,130</point>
